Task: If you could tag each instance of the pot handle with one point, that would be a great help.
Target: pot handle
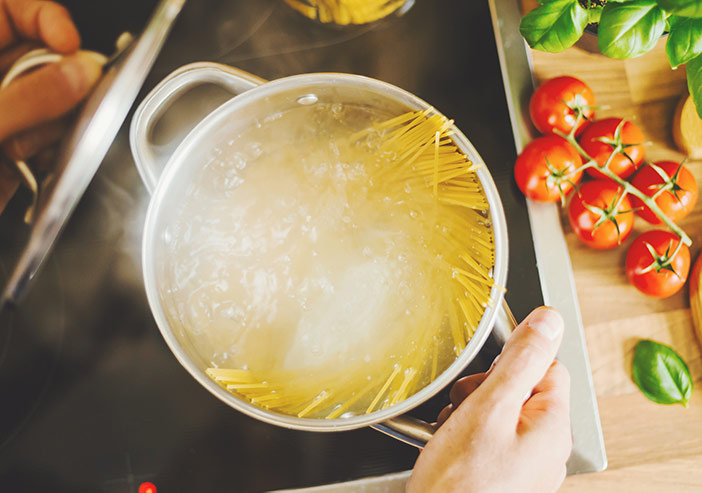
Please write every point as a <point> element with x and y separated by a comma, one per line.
<point>148,162</point>
<point>414,431</point>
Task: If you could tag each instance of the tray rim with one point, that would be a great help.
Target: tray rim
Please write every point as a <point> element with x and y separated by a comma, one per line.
<point>552,256</point>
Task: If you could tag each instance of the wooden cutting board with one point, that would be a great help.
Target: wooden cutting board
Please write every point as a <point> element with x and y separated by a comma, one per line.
<point>651,448</point>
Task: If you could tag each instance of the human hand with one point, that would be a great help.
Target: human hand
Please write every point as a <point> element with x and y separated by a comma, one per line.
<point>32,106</point>
<point>491,440</point>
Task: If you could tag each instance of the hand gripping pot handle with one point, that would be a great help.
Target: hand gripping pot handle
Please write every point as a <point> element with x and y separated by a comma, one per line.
<point>416,432</point>
<point>148,161</point>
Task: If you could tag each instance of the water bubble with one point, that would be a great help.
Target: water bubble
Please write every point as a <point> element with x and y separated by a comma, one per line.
<point>307,99</point>
<point>272,117</point>
<point>254,149</point>
<point>238,161</point>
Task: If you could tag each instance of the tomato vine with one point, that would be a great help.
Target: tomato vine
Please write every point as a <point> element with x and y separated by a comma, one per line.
<point>619,148</point>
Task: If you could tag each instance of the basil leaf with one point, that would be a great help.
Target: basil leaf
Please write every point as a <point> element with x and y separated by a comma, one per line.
<point>694,82</point>
<point>684,41</point>
<point>661,374</point>
<point>683,8</point>
<point>554,26</point>
<point>630,29</point>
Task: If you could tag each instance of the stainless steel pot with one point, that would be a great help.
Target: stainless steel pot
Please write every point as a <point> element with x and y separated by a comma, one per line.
<point>255,99</point>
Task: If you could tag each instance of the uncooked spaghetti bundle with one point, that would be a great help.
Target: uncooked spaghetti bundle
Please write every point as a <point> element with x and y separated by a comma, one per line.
<point>401,310</point>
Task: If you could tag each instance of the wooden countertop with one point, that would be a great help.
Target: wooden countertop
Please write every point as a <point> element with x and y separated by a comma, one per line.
<point>650,447</point>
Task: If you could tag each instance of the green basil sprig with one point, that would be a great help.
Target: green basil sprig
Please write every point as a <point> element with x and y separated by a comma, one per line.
<point>661,374</point>
<point>684,41</point>
<point>684,8</point>
<point>554,26</point>
<point>630,29</point>
<point>694,82</point>
<point>626,29</point>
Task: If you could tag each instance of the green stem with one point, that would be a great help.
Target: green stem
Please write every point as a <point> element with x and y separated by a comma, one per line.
<point>627,187</point>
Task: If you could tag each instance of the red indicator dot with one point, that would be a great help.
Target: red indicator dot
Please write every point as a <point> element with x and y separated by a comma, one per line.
<point>147,488</point>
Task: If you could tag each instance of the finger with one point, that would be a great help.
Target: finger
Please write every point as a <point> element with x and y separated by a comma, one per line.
<point>10,55</point>
<point>550,401</point>
<point>28,143</point>
<point>553,391</point>
<point>460,392</point>
<point>547,413</point>
<point>9,181</point>
<point>444,415</point>
<point>47,93</point>
<point>524,360</point>
<point>38,20</point>
<point>464,387</point>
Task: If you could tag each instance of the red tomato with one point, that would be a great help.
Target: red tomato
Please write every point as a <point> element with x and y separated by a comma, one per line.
<point>552,105</point>
<point>667,275</point>
<point>679,195</point>
<point>600,151</point>
<point>546,164</point>
<point>603,195</point>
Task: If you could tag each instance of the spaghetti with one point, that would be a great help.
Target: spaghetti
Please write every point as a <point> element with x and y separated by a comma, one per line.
<point>416,163</point>
<point>344,12</point>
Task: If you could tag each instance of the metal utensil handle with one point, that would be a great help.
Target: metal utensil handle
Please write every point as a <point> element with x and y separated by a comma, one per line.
<point>414,431</point>
<point>148,163</point>
<point>27,62</point>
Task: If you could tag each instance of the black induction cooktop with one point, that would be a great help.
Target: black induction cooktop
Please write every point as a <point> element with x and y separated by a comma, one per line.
<point>91,398</point>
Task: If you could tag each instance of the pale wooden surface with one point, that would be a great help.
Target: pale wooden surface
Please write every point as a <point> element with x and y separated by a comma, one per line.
<point>651,448</point>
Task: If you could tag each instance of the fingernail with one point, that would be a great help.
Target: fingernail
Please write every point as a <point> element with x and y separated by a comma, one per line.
<point>81,71</point>
<point>494,362</point>
<point>547,321</point>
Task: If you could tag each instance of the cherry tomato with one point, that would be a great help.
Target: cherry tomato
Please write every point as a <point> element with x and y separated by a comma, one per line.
<point>679,195</point>
<point>600,151</point>
<point>546,164</point>
<point>594,201</point>
<point>666,276</point>
<point>552,105</point>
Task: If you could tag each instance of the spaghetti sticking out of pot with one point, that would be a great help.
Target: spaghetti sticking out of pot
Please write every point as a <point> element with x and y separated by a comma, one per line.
<point>330,262</point>
<point>344,12</point>
<point>417,165</point>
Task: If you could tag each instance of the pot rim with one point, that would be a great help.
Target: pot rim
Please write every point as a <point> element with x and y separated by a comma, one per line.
<point>169,175</point>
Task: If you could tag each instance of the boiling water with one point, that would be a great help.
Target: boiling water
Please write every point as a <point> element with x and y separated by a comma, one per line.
<point>288,256</point>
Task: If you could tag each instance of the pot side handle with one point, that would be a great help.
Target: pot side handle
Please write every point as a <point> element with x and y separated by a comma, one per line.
<point>148,162</point>
<point>414,431</point>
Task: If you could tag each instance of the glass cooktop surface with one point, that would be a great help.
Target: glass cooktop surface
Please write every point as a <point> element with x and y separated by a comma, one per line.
<point>92,400</point>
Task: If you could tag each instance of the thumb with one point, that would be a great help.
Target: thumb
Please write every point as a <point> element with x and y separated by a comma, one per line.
<point>47,93</point>
<point>525,359</point>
